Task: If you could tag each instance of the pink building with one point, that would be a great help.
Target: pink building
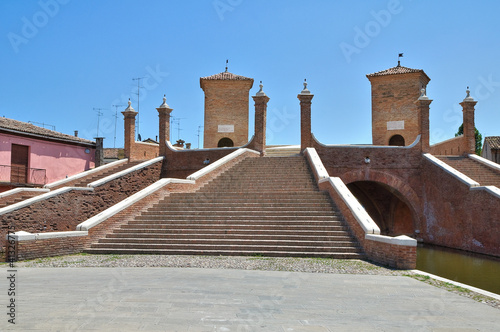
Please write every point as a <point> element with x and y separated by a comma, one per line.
<point>34,156</point>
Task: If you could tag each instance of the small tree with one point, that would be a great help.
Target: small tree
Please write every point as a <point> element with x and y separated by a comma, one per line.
<point>477,136</point>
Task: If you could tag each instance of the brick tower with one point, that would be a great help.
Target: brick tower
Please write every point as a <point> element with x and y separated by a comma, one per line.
<point>226,109</point>
<point>395,116</point>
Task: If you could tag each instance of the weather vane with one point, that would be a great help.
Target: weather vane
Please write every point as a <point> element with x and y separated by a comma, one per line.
<point>226,64</point>
<point>399,56</point>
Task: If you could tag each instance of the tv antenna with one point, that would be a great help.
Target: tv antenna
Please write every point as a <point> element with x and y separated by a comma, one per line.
<point>99,114</point>
<point>199,130</point>
<point>138,79</point>
<point>178,122</point>
<point>116,119</point>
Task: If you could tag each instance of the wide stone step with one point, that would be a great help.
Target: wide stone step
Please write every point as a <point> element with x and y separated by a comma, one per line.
<point>223,209</point>
<point>223,226</point>
<point>203,219</point>
<point>319,236</point>
<point>226,242</point>
<point>239,206</point>
<point>214,252</point>
<point>340,232</point>
<point>235,213</point>
<point>228,247</point>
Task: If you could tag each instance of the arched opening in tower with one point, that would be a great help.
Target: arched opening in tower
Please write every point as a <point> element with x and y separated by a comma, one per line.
<point>386,206</point>
<point>225,143</point>
<point>397,140</point>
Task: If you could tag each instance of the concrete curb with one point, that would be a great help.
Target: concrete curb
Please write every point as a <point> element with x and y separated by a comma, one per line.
<point>456,283</point>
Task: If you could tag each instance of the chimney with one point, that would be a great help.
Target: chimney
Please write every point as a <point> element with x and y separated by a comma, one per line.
<point>76,133</point>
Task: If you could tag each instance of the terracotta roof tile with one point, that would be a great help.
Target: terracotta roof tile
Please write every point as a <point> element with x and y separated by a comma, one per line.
<point>395,70</point>
<point>226,76</point>
<point>28,128</point>
<point>493,141</point>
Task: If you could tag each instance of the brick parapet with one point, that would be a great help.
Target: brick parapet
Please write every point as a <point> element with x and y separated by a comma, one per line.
<point>454,146</point>
<point>457,215</point>
<point>64,212</point>
<point>393,255</point>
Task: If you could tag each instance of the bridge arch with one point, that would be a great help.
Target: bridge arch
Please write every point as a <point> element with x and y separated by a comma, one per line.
<point>388,199</point>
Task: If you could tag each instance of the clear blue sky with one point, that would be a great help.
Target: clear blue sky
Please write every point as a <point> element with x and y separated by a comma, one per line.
<point>63,58</point>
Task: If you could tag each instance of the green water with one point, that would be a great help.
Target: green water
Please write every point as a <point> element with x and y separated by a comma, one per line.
<point>476,270</point>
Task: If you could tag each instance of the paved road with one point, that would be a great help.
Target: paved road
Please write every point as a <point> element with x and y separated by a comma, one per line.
<point>174,299</point>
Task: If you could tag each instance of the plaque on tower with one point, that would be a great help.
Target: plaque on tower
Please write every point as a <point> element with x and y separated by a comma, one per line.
<point>226,129</point>
<point>395,125</point>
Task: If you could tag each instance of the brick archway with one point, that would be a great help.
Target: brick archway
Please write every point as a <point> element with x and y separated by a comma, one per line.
<point>399,187</point>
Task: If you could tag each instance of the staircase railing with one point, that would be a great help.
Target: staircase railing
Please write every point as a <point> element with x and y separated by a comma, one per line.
<point>22,175</point>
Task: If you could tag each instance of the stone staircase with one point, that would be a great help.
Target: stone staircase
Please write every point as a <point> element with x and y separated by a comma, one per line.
<point>484,175</point>
<point>16,198</point>
<point>282,151</point>
<point>261,206</point>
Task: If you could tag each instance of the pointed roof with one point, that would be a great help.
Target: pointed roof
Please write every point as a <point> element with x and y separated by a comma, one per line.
<point>397,70</point>
<point>225,75</point>
<point>24,128</point>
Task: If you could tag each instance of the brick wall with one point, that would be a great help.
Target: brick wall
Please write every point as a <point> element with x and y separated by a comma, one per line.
<point>143,151</point>
<point>457,216</point>
<point>454,146</point>
<point>181,164</point>
<point>64,212</point>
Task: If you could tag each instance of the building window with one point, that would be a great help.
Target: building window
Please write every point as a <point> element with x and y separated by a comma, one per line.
<point>397,140</point>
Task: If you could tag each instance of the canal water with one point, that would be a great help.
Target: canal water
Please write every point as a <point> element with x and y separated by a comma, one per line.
<point>472,269</point>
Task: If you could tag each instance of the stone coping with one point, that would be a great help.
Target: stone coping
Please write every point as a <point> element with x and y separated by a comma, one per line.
<point>39,198</point>
<point>459,137</point>
<point>146,143</point>
<point>124,172</point>
<point>365,221</point>
<point>20,190</point>
<point>485,161</point>
<point>367,146</point>
<point>495,191</point>
<point>220,162</point>
<point>316,164</point>
<point>85,173</point>
<point>26,236</point>
<point>401,240</point>
<point>450,170</point>
<point>111,211</point>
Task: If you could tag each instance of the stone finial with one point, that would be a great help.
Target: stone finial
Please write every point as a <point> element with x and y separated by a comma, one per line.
<point>468,97</point>
<point>260,92</point>
<point>305,91</point>
<point>129,108</point>
<point>164,105</point>
<point>423,96</point>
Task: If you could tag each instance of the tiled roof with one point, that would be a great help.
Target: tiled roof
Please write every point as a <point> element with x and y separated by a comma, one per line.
<point>396,70</point>
<point>28,128</point>
<point>226,76</point>
<point>493,141</point>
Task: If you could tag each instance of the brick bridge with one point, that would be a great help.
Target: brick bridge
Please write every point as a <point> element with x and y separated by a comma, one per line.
<point>441,194</point>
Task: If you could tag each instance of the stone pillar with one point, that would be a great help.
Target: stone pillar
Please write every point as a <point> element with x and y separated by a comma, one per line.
<point>99,151</point>
<point>423,103</point>
<point>260,100</point>
<point>305,98</point>
<point>129,118</point>
<point>469,127</point>
<point>164,131</point>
